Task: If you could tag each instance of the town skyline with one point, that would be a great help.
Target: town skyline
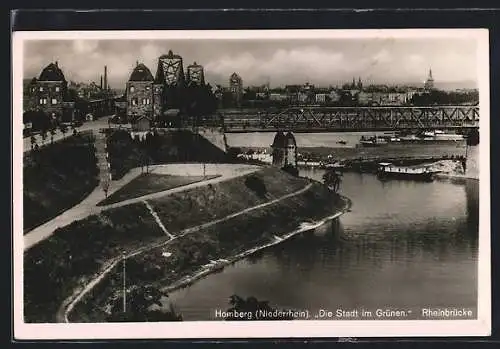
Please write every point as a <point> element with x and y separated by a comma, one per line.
<point>319,62</point>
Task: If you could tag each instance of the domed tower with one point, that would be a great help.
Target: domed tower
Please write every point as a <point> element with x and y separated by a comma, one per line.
<point>50,90</point>
<point>284,150</point>
<point>278,149</point>
<point>140,93</point>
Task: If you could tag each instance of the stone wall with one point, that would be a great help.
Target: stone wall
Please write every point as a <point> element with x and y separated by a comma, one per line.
<point>214,136</point>
<point>157,100</point>
<point>472,167</point>
<point>51,91</point>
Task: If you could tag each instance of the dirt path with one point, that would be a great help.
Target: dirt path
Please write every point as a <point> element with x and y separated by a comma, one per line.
<point>88,206</point>
<point>69,305</point>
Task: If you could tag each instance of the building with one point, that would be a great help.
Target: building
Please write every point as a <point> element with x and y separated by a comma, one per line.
<point>169,83</point>
<point>334,96</point>
<point>195,75</point>
<point>284,150</point>
<point>278,97</point>
<point>236,87</point>
<point>171,70</point>
<point>49,94</point>
<point>321,98</point>
<point>429,83</point>
<point>139,94</point>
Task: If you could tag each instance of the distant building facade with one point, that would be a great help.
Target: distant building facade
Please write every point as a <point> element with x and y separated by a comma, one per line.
<point>49,94</point>
<point>236,87</point>
<point>140,94</point>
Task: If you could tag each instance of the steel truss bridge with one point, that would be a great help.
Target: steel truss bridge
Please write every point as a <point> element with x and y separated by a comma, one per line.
<point>376,118</point>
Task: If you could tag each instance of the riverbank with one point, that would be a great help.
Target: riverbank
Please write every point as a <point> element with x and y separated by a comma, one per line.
<point>199,251</point>
<point>222,263</point>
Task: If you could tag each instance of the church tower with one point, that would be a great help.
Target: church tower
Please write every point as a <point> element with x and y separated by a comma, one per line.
<point>429,83</point>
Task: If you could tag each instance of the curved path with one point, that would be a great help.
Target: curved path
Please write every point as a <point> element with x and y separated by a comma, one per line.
<point>88,205</point>
<point>69,305</point>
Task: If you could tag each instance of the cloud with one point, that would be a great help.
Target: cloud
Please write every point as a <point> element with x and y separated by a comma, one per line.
<point>306,63</point>
<point>383,56</point>
<point>85,46</point>
<point>321,62</point>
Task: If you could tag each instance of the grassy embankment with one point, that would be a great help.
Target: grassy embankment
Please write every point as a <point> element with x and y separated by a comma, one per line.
<point>194,248</point>
<point>57,177</point>
<point>68,259</point>
<point>74,254</point>
<point>173,146</point>
<point>149,183</point>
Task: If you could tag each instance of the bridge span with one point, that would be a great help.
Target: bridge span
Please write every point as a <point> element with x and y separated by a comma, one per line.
<point>349,119</point>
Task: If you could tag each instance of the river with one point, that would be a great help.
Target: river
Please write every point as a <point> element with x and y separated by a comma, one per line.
<point>404,245</point>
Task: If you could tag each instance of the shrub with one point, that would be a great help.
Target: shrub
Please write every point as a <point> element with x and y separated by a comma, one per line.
<point>256,184</point>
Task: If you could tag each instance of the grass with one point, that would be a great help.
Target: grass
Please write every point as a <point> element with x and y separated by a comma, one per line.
<point>174,146</point>
<point>200,205</point>
<point>56,266</point>
<point>222,240</point>
<point>149,183</point>
<point>68,259</point>
<point>57,177</point>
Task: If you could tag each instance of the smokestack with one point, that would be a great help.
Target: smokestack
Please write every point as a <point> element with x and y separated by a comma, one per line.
<point>101,82</point>
<point>105,76</point>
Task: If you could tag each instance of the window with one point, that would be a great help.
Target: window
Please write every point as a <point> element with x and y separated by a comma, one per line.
<point>41,89</point>
<point>147,88</point>
<point>41,101</point>
<point>143,101</point>
<point>54,101</point>
<point>57,90</point>
<point>132,89</point>
<point>134,101</point>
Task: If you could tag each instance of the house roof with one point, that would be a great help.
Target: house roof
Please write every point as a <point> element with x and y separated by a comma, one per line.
<point>141,73</point>
<point>52,72</point>
<point>170,54</point>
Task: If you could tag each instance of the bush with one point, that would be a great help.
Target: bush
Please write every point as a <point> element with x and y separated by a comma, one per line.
<point>256,184</point>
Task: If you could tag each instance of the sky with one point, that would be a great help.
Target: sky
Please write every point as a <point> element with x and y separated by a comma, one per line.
<point>322,62</point>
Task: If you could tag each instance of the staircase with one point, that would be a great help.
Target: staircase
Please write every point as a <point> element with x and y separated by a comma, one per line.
<point>102,159</point>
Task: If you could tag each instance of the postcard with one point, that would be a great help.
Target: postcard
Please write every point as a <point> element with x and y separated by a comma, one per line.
<point>251,184</point>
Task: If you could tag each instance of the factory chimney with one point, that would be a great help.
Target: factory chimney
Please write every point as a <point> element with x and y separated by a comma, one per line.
<point>105,77</point>
<point>101,82</point>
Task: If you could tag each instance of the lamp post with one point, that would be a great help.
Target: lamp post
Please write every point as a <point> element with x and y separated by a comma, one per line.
<point>124,285</point>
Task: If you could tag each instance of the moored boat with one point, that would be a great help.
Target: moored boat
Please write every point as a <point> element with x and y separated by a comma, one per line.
<point>372,141</point>
<point>387,170</point>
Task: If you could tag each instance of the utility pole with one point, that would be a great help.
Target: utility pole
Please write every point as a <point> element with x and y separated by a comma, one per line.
<point>124,287</point>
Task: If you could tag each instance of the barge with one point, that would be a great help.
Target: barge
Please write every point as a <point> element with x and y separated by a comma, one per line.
<point>387,170</point>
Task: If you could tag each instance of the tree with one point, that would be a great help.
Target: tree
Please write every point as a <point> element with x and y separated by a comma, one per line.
<point>44,136</point>
<point>252,306</point>
<point>105,187</point>
<point>63,129</point>
<point>33,142</point>
<point>140,299</point>
<point>52,133</point>
<point>332,180</point>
